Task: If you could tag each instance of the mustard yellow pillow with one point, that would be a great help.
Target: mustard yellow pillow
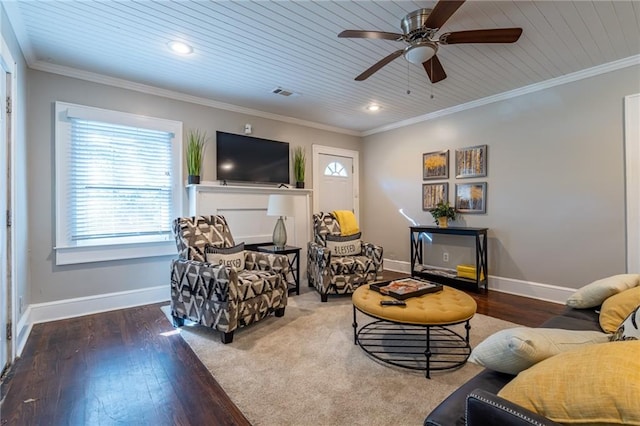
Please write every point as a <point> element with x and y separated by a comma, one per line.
<point>594,294</point>
<point>594,385</point>
<point>616,308</point>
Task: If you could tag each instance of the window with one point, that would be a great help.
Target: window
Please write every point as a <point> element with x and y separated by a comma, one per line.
<point>117,184</point>
<point>335,169</point>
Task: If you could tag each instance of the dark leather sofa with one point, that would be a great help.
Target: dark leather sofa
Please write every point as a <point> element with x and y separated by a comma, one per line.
<point>476,403</point>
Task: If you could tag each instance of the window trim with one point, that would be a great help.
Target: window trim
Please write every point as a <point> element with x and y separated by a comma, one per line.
<point>68,252</point>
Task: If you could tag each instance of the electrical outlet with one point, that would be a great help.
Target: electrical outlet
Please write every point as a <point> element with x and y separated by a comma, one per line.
<point>445,257</point>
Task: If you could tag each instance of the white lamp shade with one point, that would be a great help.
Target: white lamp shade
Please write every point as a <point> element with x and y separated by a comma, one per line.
<point>280,205</point>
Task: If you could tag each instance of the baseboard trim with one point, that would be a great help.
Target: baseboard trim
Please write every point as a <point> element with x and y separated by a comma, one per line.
<point>540,291</point>
<point>23,329</point>
<point>70,308</point>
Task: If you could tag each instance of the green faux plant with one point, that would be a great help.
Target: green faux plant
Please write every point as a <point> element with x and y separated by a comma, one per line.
<point>196,142</point>
<point>443,210</point>
<point>299,163</point>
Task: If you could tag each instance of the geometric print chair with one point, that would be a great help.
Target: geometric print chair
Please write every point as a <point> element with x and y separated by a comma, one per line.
<point>336,274</point>
<point>219,296</point>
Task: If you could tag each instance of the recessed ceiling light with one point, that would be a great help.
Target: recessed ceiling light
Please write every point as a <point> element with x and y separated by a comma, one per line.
<point>180,47</point>
<point>373,107</point>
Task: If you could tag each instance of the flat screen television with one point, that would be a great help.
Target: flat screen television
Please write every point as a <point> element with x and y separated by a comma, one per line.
<point>241,158</point>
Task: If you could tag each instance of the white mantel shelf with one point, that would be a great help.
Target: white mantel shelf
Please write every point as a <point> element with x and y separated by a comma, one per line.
<point>210,186</point>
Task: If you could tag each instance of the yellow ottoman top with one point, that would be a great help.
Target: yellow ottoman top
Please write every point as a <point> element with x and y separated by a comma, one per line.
<point>444,307</point>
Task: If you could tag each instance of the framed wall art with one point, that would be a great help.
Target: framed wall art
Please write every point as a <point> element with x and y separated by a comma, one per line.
<point>433,193</point>
<point>435,165</point>
<point>471,161</point>
<point>471,197</point>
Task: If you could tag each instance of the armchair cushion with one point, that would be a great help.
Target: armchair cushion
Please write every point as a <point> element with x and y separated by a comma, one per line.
<point>344,245</point>
<point>255,283</point>
<point>232,257</point>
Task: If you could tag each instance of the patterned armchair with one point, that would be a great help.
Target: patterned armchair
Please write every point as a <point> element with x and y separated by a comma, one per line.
<point>219,296</point>
<point>333,274</point>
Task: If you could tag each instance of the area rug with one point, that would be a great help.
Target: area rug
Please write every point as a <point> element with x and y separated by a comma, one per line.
<point>303,369</point>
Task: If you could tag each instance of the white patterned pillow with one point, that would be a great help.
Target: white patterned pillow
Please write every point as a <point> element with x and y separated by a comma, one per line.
<point>344,245</point>
<point>515,349</point>
<point>232,257</point>
<point>594,294</point>
<point>628,330</point>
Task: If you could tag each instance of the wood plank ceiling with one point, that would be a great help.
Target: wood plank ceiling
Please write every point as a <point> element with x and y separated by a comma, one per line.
<point>245,49</point>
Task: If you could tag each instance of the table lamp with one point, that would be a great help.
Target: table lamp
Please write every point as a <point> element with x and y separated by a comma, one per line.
<point>282,206</point>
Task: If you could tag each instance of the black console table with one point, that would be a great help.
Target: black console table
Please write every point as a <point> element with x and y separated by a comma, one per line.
<point>445,276</point>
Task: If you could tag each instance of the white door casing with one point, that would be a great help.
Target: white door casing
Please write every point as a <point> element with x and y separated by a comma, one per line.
<point>8,258</point>
<point>632,155</point>
<point>334,192</point>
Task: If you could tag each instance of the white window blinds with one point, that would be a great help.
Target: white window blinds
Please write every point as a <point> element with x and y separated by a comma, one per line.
<point>119,182</point>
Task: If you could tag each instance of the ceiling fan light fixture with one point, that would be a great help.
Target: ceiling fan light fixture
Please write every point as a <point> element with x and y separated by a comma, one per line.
<point>420,52</point>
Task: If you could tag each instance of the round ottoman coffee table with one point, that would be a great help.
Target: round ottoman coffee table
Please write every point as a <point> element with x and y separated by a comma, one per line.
<point>416,336</point>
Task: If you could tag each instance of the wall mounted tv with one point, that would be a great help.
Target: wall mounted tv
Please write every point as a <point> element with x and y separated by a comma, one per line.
<point>241,158</point>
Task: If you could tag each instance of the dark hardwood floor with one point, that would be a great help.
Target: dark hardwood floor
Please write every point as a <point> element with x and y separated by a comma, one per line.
<point>129,367</point>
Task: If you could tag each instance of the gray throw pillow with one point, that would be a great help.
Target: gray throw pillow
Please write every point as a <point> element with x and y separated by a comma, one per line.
<point>232,257</point>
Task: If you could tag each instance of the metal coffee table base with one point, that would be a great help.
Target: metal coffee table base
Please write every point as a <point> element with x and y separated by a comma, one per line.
<point>416,347</point>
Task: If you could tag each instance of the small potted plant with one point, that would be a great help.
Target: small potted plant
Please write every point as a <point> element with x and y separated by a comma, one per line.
<point>196,142</point>
<point>299,162</point>
<point>442,212</point>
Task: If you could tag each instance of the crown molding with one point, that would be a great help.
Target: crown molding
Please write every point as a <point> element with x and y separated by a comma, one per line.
<point>143,88</point>
<point>171,94</point>
<point>532,88</point>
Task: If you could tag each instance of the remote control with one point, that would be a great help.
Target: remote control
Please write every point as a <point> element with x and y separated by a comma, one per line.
<point>393,303</point>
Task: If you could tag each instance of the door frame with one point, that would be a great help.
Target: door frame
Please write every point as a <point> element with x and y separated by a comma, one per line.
<point>9,65</point>
<point>316,151</point>
<point>632,178</point>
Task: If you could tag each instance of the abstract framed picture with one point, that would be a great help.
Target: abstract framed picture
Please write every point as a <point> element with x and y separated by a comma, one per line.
<point>471,197</point>
<point>433,193</point>
<point>471,162</point>
<point>435,165</point>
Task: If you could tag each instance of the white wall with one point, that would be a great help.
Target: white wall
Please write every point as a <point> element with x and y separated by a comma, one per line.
<point>555,202</point>
<point>52,283</point>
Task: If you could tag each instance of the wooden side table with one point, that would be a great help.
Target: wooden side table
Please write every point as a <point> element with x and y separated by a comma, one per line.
<point>294,262</point>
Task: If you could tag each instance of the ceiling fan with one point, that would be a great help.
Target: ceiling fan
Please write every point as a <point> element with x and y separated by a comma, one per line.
<point>419,28</point>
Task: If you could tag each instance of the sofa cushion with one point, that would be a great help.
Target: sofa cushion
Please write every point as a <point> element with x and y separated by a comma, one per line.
<point>596,384</point>
<point>344,245</point>
<point>618,307</point>
<point>516,349</point>
<point>597,292</point>
<point>629,329</point>
<point>232,257</point>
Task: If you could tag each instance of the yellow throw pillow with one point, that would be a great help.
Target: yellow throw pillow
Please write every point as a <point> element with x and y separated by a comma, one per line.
<point>594,385</point>
<point>616,308</point>
<point>594,294</point>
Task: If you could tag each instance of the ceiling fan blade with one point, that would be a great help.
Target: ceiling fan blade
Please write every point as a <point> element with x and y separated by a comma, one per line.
<point>498,35</point>
<point>434,69</point>
<point>442,12</point>
<point>381,63</point>
<point>370,34</point>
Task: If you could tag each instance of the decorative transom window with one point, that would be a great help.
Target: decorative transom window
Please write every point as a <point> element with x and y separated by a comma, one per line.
<point>335,169</point>
<point>117,180</point>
